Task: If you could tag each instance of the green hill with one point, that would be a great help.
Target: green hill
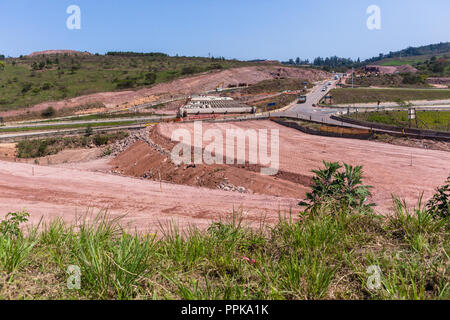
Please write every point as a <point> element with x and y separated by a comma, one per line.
<point>29,80</point>
<point>432,60</point>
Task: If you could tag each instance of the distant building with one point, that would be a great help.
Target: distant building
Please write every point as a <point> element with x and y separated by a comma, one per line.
<point>213,105</point>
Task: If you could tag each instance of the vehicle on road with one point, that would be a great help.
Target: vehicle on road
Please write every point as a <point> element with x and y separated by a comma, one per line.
<point>301,99</point>
<point>324,89</point>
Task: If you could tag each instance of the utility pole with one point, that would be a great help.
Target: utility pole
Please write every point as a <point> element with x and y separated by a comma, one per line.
<point>353,71</point>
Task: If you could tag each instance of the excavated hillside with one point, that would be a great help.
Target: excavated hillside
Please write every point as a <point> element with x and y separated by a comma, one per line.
<point>181,87</point>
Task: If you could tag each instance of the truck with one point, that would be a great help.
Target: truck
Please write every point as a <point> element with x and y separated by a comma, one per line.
<point>301,99</point>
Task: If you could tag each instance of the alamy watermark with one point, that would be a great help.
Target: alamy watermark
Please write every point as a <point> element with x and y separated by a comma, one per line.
<point>73,22</point>
<point>374,20</point>
<point>74,279</point>
<point>374,279</point>
<point>229,149</point>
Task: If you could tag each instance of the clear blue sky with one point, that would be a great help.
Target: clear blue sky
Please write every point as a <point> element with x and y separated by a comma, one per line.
<point>243,29</point>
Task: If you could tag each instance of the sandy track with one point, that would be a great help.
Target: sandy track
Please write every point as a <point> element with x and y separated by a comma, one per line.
<point>386,167</point>
<point>67,193</point>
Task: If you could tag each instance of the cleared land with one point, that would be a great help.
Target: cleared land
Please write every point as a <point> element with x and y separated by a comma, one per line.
<point>433,120</point>
<point>387,167</point>
<point>325,256</point>
<point>65,192</point>
<point>386,95</point>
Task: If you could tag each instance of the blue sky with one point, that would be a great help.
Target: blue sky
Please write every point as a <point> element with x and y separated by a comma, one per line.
<point>242,29</point>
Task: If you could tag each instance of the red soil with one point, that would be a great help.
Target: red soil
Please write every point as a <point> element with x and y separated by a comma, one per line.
<point>386,167</point>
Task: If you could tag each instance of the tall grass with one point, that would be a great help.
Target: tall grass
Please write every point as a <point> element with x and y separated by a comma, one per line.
<point>322,254</point>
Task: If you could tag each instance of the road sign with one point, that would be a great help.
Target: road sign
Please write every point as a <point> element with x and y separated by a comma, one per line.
<point>411,113</point>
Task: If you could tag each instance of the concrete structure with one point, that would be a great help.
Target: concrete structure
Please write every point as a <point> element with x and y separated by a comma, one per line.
<point>213,105</point>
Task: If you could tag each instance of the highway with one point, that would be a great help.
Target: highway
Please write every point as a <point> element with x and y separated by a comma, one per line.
<point>311,111</point>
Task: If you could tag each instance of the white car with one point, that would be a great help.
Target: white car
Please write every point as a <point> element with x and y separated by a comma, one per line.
<point>324,89</point>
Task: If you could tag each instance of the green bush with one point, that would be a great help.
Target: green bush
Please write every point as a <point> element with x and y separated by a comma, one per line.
<point>49,112</point>
<point>100,140</point>
<point>125,84</point>
<point>342,188</point>
<point>439,205</point>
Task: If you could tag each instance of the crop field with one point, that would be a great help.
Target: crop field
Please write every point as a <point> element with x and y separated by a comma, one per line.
<point>435,120</point>
<point>363,95</point>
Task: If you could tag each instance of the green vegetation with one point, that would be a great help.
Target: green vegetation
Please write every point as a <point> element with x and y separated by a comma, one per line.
<point>344,189</point>
<point>44,147</point>
<point>433,120</point>
<point>419,57</point>
<point>331,251</point>
<point>68,126</point>
<point>363,95</point>
<point>103,116</point>
<point>27,81</point>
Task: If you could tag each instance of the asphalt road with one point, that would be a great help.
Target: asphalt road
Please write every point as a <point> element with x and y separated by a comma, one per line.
<point>310,110</point>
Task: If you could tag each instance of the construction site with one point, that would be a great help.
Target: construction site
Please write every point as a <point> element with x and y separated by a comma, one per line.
<point>213,105</point>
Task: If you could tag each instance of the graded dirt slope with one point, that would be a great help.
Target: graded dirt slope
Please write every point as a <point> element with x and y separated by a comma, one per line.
<point>52,192</point>
<point>184,86</point>
<point>386,167</point>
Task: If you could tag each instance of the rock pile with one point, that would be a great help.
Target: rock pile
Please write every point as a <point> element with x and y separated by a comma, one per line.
<point>226,186</point>
<point>143,135</point>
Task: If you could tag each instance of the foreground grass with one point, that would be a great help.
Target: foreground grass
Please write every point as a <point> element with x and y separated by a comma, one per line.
<point>361,95</point>
<point>433,120</point>
<point>326,254</point>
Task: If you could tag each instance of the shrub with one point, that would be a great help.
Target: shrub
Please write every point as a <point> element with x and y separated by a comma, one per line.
<point>342,188</point>
<point>439,205</point>
<point>46,86</point>
<point>101,140</point>
<point>89,131</point>
<point>32,148</point>
<point>48,113</point>
<point>26,87</point>
<point>188,70</point>
<point>150,77</point>
<point>125,84</point>
<point>10,225</point>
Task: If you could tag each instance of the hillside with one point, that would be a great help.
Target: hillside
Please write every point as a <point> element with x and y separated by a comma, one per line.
<point>180,87</point>
<point>46,76</point>
<point>414,54</point>
<point>431,60</point>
